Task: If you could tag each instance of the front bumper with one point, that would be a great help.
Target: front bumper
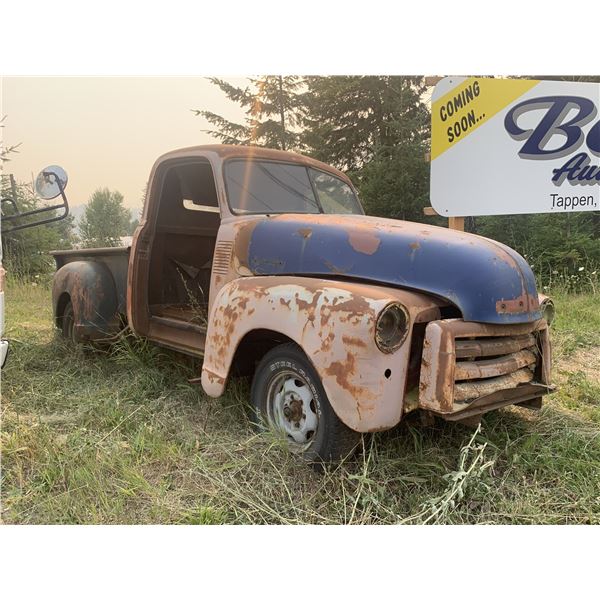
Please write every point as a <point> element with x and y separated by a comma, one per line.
<point>470,368</point>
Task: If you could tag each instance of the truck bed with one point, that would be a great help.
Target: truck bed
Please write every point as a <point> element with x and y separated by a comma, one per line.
<point>169,321</point>
<point>116,259</point>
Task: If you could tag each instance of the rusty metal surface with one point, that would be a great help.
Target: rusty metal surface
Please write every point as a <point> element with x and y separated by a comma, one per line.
<point>96,288</point>
<point>493,367</point>
<point>463,392</point>
<point>438,390</point>
<point>492,347</point>
<point>334,323</point>
<point>526,394</point>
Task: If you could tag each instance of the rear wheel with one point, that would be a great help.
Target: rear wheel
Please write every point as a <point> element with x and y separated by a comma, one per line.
<point>68,323</point>
<point>288,397</point>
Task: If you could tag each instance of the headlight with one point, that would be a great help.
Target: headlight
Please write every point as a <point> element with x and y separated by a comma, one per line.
<point>391,327</point>
<point>548,310</point>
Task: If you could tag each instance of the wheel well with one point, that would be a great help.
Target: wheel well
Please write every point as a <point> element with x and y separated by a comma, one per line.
<point>252,347</point>
<point>63,300</point>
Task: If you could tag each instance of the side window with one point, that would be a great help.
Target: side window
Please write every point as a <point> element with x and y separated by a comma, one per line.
<point>335,196</point>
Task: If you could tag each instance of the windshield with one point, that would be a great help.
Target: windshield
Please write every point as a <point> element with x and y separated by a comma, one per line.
<point>271,187</point>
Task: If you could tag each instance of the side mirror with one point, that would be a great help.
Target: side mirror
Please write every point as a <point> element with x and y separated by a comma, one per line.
<point>49,184</point>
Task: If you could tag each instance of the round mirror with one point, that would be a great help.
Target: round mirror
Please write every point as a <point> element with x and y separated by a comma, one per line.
<point>46,183</point>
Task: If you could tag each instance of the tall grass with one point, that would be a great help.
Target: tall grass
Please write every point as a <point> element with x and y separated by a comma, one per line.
<point>122,437</point>
<point>585,279</point>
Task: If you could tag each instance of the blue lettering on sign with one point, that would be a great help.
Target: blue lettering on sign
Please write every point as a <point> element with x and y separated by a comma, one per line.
<point>556,122</point>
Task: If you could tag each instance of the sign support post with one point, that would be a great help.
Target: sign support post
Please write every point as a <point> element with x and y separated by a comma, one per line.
<point>457,223</point>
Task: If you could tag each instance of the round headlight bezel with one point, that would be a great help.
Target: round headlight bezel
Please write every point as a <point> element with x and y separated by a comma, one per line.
<point>391,327</point>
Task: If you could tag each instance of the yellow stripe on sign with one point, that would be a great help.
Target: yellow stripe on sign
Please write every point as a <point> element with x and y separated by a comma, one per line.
<point>468,106</point>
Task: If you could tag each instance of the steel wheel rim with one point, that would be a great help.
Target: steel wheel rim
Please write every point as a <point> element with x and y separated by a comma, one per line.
<point>292,408</point>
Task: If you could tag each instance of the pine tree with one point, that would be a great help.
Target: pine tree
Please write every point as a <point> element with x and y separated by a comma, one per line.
<point>377,128</point>
<point>272,105</point>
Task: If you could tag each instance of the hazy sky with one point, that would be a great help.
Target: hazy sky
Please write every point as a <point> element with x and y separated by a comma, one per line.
<point>105,132</point>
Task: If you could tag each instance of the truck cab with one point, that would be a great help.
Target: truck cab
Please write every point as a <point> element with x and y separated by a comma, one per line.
<point>263,263</point>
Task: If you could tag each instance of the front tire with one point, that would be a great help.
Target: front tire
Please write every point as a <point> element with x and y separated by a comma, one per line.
<point>288,397</point>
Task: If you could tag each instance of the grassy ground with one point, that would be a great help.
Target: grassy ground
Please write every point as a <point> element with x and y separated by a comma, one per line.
<point>90,438</point>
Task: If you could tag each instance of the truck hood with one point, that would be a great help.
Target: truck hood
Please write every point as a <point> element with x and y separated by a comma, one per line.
<point>487,281</point>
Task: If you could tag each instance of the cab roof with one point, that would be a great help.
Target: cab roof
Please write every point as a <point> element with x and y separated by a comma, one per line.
<point>225,151</point>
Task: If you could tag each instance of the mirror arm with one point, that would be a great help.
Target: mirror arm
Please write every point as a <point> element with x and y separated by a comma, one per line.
<point>65,205</point>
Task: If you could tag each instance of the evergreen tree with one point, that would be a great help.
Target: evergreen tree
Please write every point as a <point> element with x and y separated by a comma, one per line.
<point>272,106</point>
<point>105,220</point>
<point>376,128</point>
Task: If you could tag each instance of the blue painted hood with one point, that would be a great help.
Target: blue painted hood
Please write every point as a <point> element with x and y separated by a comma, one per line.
<point>488,281</point>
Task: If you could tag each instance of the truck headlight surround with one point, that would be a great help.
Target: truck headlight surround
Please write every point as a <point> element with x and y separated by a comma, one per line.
<point>391,327</point>
<point>548,310</point>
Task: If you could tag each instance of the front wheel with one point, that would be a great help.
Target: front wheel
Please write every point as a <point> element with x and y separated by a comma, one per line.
<point>287,396</point>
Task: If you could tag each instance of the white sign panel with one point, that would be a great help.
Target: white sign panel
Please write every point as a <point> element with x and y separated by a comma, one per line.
<point>514,146</point>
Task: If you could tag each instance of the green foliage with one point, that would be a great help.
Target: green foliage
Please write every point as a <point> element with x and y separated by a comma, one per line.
<point>400,173</point>
<point>25,252</point>
<point>351,120</point>
<point>553,244</point>
<point>272,108</point>
<point>377,129</point>
<point>105,220</point>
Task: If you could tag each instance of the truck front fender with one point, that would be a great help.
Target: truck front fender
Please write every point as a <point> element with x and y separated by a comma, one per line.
<point>334,324</point>
<point>92,291</point>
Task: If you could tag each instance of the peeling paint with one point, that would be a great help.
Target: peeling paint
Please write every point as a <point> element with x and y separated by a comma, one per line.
<point>334,323</point>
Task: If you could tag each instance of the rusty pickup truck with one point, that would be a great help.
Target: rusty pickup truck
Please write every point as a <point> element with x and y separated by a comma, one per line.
<point>263,263</point>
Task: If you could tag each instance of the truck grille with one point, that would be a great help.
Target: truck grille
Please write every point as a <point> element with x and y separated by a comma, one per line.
<point>464,363</point>
<point>514,361</point>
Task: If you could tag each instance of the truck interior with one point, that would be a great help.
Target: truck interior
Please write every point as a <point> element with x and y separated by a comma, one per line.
<point>184,240</point>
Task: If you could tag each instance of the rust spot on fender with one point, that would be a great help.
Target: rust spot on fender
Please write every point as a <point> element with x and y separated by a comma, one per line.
<point>305,233</point>
<point>214,378</point>
<point>326,344</point>
<point>522,304</point>
<point>342,371</point>
<point>353,341</point>
<point>309,307</point>
<point>364,241</point>
<point>415,246</point>
<point>356,308</point>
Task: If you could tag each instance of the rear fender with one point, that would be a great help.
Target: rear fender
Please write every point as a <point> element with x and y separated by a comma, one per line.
<point>92,291</point>
<point>334,324</point>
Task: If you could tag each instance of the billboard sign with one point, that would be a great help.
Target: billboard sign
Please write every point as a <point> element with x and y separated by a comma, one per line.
<point>514,146</point>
